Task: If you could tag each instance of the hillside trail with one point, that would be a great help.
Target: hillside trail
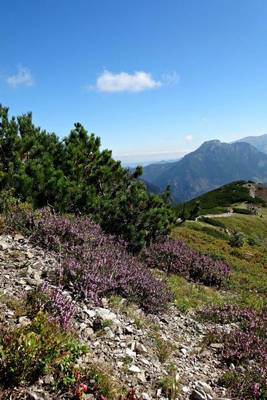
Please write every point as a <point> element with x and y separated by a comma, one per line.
<point>252,193</point>
<point>222,215</point>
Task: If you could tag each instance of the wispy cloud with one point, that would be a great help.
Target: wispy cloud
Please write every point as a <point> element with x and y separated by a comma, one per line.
<point>189,138</point>
<point>136,82</point>
<point>170,78</point>
<point>23,77</point>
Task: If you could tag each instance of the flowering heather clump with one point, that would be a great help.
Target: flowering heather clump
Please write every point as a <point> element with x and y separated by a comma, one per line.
<point>241,347</point>
<point>107,268</point>
<point>245,347</point>
<point>61,307</point>
<point>247,385</point>
<point>51,299</point>
<point>249,320</point>
<point>175,256</point>
<point>94,264</point>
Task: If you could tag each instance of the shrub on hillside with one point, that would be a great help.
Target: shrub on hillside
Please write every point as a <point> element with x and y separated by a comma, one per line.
<point>248,319</point>
<point>52,300</point>
<point>212,221</point>
<point>175,256</point>
<point>236,239</point>
<point>239,210</point>
<point>245,346</point>
<point>246,385</point>
<point>40,347</point>
<point>94,264</point>
<point>75,176</point>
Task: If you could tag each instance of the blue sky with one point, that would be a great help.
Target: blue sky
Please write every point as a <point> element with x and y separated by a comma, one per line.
<point>152,78</point>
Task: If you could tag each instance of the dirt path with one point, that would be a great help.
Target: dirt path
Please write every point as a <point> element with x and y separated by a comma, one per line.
<point>222,215</point>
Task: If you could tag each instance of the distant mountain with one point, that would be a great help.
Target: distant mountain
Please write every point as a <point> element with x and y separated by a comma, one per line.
<point>150,187</point>
<point>260,142</point>
<point>212,165</point>
<point>132,165</point>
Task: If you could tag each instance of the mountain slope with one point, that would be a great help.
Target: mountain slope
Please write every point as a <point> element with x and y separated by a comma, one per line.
<point>260,142</point>
<point>234,194</point>
<point>212,165</point>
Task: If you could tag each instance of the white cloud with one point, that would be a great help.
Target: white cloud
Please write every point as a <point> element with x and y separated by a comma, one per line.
<point>23,77</point>
<point>125,82</point>
<point>189,138</point>
<point>138,81</point>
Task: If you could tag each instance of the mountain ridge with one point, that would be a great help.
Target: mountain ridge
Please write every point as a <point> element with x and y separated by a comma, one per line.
<point>212,165</point>
<point>260,142</point>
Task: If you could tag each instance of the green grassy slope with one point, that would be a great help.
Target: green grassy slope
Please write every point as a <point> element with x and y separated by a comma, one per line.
<point>221,199</point>
<point>248,282</point>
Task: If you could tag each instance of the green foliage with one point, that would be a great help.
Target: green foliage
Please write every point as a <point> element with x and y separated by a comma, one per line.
<point>102,377</point>
<point>7,200</point>
<point>75,176</point>
<point>188,295</point>
<point>28,352</point>
<point>212,221</point>
<point>194,213</point>
<point>164,348</point>
<point>236,239</point>
<point>170,383</point>
<point>235,381</point>
<point>252,241</point>
<point>16,217</point>
<point>247,285</point>
<point>239,210</point>
<point>188,213</point>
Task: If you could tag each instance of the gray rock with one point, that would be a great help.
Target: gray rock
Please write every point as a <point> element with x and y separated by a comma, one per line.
<point>216,346</point>
<point>88,333</point>
<point>203,386</point>
<point>134,369</point>
<point>48,379</point>
<point>29,255</point>
<point>106,314</point>
<point>37,394</point>
<point>90,313</point>
<point>23,321</point>
<point>18,237</point>
<point>146,396</point>
<point>3,245</point>
<point>141,377</point>
<point>196,395</point>
<point>130,353</point>
<point>185,389</point>
<point>140,348</point>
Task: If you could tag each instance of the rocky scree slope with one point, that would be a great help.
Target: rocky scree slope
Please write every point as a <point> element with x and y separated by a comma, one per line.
<point>141,351</point>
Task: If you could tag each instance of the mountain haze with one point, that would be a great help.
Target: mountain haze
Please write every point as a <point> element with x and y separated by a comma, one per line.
<point>260,142</point>
<point>213,164</point>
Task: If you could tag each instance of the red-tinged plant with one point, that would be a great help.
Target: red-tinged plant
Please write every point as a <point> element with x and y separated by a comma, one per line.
<point>131,395</point>
<point>81,391</point>
<point>40,347</point>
